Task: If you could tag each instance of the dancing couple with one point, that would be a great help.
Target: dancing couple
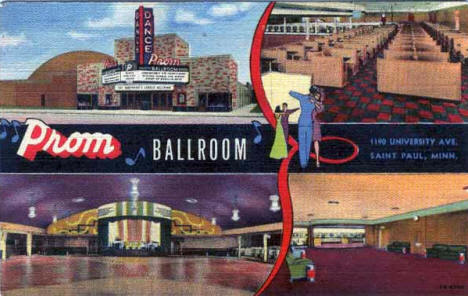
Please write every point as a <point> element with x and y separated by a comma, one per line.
<point>309,126</point>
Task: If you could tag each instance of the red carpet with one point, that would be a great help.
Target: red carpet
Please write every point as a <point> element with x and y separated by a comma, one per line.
<point>367,271</point>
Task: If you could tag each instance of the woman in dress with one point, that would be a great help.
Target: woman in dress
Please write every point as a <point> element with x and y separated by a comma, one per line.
<point>285,120</point>
<point>279,149</point>
<point>319,97</point>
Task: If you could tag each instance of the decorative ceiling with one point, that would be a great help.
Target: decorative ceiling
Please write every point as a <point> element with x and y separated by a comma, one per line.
<point>68,194</point>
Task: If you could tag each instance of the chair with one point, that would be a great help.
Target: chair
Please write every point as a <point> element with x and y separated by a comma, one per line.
<point>297,267</point>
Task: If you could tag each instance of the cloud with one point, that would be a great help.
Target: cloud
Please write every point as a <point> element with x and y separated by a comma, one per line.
<point>187,17</point>
<point>11,40</point>
<point>80,35</point>
<point>123,15</point>
<point>229,9</point>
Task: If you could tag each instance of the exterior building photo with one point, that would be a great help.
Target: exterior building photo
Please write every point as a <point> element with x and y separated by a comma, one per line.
<point>74,80</point>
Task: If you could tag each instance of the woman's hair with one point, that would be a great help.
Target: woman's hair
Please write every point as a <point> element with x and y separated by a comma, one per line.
<point>314,89</point>
<point>278,109</point>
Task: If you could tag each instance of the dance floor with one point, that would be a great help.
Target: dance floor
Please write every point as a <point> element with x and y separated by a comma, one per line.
<point>366,271</point>
<point>66,275</point>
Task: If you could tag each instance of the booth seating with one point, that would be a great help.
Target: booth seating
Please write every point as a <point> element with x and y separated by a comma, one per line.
<point>399,247</point>
<point>332,60</point>
<point>447,252</point>
<point>413,66</point>
<point>451,41</point>
<point>297,267</point>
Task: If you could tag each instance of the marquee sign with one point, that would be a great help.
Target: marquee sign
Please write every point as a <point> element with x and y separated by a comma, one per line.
<point>144,34</point>
<point>148,74</point>
<point>143,87</point>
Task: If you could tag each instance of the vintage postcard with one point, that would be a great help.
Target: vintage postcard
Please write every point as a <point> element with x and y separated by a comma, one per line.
<point>233,148</point>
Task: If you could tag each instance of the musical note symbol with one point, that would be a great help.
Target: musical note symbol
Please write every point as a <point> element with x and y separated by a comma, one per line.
<point>131,162</point>
<point>258,137</point>
<point>15,124</point>
<point>4,124</point>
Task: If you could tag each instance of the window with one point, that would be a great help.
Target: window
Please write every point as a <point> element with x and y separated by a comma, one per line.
<point>169,100</point>
<point>181,99</point>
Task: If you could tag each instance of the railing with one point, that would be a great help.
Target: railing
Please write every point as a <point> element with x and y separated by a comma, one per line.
<point>314,28</point>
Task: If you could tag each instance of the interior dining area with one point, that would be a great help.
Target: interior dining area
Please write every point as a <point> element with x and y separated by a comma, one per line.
<point>398,61</point>
<point>379,234</point>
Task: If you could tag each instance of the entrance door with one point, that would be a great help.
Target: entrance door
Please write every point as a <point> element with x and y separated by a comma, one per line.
<point>94,99</point>
<point>143,101</point>
<point>16,244</point>
<point>162,101</point>
<point>203,100</point>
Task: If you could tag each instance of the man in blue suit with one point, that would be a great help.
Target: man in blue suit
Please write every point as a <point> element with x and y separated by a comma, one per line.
<point>305,123</point>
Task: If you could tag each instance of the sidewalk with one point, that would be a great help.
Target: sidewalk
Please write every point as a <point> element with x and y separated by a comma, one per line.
<point>64,116</point>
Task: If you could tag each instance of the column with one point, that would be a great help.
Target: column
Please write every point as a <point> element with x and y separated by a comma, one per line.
<point>284,24</point>
<point>239,246</point>
<point>307,28</point>
<point>3,237</point>
<point>310,236</point>
<point>29,244</point>
<point>265,246</point>
<point>457,20</point>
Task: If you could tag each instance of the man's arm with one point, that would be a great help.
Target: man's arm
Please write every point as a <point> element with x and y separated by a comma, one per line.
<point>291,111</point>
<point>298,96</point>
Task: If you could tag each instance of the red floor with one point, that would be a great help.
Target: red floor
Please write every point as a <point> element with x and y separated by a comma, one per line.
<point>367,271</point>
<point>24,272</point>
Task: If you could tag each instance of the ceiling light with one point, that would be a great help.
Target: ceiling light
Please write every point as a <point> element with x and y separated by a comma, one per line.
<point>213,221</point>
<point>32,212</point>
<point>275,206</point>
<point>191,200</point>
<point>134,194</point>
<point>333,202</point>
<point>78,199</point>
<point>416,218</point>
<point>235,215</point>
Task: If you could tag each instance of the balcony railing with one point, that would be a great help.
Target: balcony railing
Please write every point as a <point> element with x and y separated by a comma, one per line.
<point>315,28</point>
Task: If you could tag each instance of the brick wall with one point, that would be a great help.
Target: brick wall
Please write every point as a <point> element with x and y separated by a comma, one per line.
<point>169,45</point>
<point>213,74</point>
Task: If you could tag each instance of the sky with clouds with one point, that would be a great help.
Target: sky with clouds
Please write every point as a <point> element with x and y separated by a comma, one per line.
<point>32,33</point>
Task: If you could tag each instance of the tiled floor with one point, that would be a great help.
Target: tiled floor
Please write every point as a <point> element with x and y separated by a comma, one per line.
<point>360,101</point>
<point>367,271</point>
<point>124,276</point>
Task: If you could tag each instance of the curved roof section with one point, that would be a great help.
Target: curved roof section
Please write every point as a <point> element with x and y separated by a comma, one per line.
<point>66,63</point>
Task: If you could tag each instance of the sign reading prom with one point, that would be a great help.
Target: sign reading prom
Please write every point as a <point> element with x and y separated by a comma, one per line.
<point>40,137</point>
<point>144,34</point>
